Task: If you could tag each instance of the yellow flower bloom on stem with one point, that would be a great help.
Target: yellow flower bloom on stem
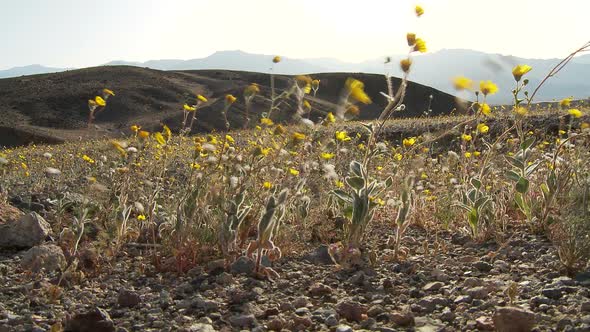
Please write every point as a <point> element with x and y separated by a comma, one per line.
<point>230,139</point>
<point>306,104</point>
<point>520,70</point>
<point>144,134</point>
<point>487,88</point>
<point>88,159</point>
<point>195,166</point>
<point>483,128</point>
<point>99,101</point>
<point>585,125</point>
<point>565,102</point>
<point>342,136</point>
<point>230,99</point>
<point>266,121</point>
<point>202,98</point>
<point>293,171</point>
<point>356,89</point>
<point>486,109</point>
<point>522,111</point>
<point>405,65</point>
<point>467,155</point>
<point>167,132</point>
<point>160,138</point>
<point>117,145</point>
<point>135,128</point>
<point>419,10</point>
<point>411,38</point>
<point>298,136</point>
<point>189,108</point>
<point>327,155</point>
<point>267,185</point>
<point>420,46</point>
<point>576,113</point>
<point>477,153</point>
<point>108,92</point>
<point>462,83</point>
<point>276,59</point>
<point>330,118</point>
<point>407,142</point>
<point>315,84</point>
<point>140,217</point>
<point>339,184</point>
<point>279,130</point>
<point>466,137</point>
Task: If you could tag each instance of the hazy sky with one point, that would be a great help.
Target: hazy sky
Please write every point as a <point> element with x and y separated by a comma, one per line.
<point>78,33</point>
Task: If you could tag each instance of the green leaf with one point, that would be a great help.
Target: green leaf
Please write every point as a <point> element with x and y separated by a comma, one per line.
<point>476,183</point>
<point>473,217</point>
<point>342,196</point>
<point>527,143</point>
<point>522,186</point>
<point>356,168</point>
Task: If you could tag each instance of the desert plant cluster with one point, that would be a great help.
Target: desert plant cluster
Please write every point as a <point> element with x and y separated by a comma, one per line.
<point>271,191</point>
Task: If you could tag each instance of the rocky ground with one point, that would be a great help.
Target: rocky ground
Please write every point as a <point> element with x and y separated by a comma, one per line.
<point>450,284</point>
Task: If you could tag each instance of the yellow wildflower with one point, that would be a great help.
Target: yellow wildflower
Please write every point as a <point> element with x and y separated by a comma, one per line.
<point>189,108</point>
<point>576,113</point>
<point>411,38</point>
<point>267,185</point>
<point>99,101</point>
<point>486,109</point>
<point>315,84</point>
<point>202,98</point>
<point>230,139</point>
<point>405,65</point>
<point>144,134</point>
<point>276,59</point>
<point>306,104</point>
<point>488,88</point>
<point>477,153</point>
<point>407,142</point>
<point>293,171</point>
<point>356,90</point>
<point>585,125</point>
<point>266,121</point>
<point>108,92</point>
<point>522,111</point>
<point>565,102</point>
<point>279,130</point>
<point>339,184</point>
<point>467,154</point>
<point>342,136</point>
<point>230,99</point>
<point>298,136</point>
<point>420,46</point>
<point>195,166</point>
<point>159,138</point>
<point>462,83</point>
<point>483,128</point>
<point>466,137</point>
<point>167,132</point>
<point>419,10</point>
<point>327,155</point>
<point>88,159</point>
<point>135,128</point>
<point>520,70</point>
<point>330,118</point>
<point>140,217</point>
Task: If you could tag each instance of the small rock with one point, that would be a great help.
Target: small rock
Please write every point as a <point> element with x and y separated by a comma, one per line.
<point>51,172</point>
<point>28,231</point>
<point>404,318</point>
<point>344,328</point>
<point>243,321</point>
<point>351,310</point>
<point>513,319</point>
<point>48,257</point>
<point>331,321</point>
<point>321,256</point>
<point>319,289</point>
<point>97,320</point>
<point>433,286</point>
<point>477,293</point>
<point>484,323</point>
<point>447,315</point>
<point>585,307</point>
<point>483,266</point>
<point>224,279</point>
<point>277,324</point>
<point>243,265</point>
<point>128,298</point>
<point>462,299</point>
<point>375,311</point>
<point>552,293</point>
<point>200,327</point>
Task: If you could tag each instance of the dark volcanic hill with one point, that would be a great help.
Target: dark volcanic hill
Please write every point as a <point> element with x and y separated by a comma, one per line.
<point>53,107</point>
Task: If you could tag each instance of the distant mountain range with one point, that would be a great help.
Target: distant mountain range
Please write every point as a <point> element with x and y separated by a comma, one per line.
<point>434,69</point>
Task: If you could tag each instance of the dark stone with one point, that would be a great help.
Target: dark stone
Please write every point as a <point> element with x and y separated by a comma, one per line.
<point>97,320</point>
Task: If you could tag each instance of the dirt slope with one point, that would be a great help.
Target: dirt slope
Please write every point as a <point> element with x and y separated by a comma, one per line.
<point>53,107</point>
